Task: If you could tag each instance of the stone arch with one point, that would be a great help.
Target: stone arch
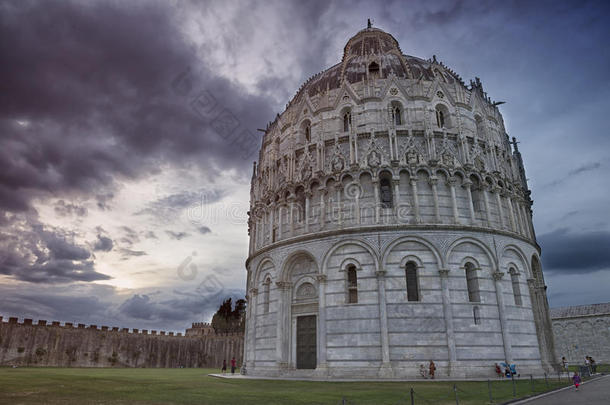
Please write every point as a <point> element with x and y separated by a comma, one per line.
<point>423,169</point>
<point>472,260</point>
<point>261,271</point>
<point>360,243</point>
<point>346,177</point>
<point>442,171</point>
<point>397,112</point>
<point>291,260</point>
<point>443,114</point>
<point>365,172</point>
<point>519,253</point>
<point>350,262</point>
<point>306,279</point>
<point>417,239</point>
<point>485,248</point>
<point>405,170</point>
<point>536,269</point>
<point>460,174</point>
<point>411,258</point>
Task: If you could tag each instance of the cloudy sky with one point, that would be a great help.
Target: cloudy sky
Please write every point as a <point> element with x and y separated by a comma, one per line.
<point>123,195</point>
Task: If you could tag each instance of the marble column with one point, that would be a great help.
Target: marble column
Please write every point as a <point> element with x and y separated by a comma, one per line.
<point>282,339</point>
<point>415,200</point>
<point>252,334</point>
<point>322,208</point>
<point>511,214</point>
<point>502,312</point>
<point>497,192</point>
<point>279,222</point>
<point>386,368</point>
<point>339,191</point>
<point>396,183</point>
<point>433,184</point>
<point>322,362</point>
<point>377,202</point>
<point>291,215</point>
<point>271,222</point>
<point>487,210</point>
<point>307,199</point>
<point>448,315</point>
<point>468,186</point>
<point>456,216</point>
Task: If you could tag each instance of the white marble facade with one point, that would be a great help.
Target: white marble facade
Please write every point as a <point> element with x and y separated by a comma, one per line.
<point>389,204</point>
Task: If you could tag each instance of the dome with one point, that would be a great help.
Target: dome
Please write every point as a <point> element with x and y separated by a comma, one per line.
<point>373,46</point>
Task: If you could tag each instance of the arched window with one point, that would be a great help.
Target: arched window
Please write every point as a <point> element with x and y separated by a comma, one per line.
<point>476,315</point>
<point>373,70</point>
<point>396,115</point>
<point>478,200</point>
<point>300,204</point>
<point>479,123</point>
<point>411,277</point>
<point>385,193</point>
<point>514,278</point>
<point>308,133</point>
<point>352,285</point>
<point>473,283</point>
<point>440,119</point>
<point>442,116</point>
<point>266,289</point>
<point>347,121</point>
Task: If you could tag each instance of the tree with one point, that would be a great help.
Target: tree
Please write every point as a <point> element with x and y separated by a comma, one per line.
<point>228,319</point>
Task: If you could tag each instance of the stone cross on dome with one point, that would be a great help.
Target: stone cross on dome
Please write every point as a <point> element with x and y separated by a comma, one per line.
<point>368,24</point>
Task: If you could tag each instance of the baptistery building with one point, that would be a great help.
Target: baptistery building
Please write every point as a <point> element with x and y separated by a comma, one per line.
<point>391,225</point>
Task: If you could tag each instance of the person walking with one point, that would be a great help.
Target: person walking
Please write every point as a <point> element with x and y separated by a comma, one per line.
<point>564,364</point>
<point>593,365</point>
<point>224,367</point>
<point>233,365</point>
<point>431,369</point>
<point>588,363</point>
<point>499,371</point>
<point>576,379</point>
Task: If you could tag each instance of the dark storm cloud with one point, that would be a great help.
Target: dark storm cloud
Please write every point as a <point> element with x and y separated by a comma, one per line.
<point>103,244</point>
<point>64,209</point>
<point>87,97</point>
<point>130,236</point>
<point>177,235</point>
<point>55,303</point>
<point>204,229</point>
<point>169,208</point>
<point>587,167</point>
<point>577,253</point>
<point>127,253</point>
<point>179,307</point>
<point>43,254</point>
<point>150,235</point>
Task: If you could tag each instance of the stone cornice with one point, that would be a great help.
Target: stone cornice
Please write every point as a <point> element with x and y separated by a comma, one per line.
<point>363,229</point>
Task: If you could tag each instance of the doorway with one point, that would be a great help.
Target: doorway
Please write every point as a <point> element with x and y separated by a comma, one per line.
<point>306,342</point>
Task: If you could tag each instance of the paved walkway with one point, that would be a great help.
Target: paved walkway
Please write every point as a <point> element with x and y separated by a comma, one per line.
<point>238,376</point>
<point>591,393</point>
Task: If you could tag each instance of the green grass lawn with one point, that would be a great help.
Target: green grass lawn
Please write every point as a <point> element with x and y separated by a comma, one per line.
<point>193,386</point>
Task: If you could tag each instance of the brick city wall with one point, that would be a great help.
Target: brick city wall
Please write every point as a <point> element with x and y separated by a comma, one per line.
<point>69,345</point>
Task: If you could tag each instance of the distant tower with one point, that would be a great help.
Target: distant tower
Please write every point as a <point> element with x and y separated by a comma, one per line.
<point>391,224</point>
